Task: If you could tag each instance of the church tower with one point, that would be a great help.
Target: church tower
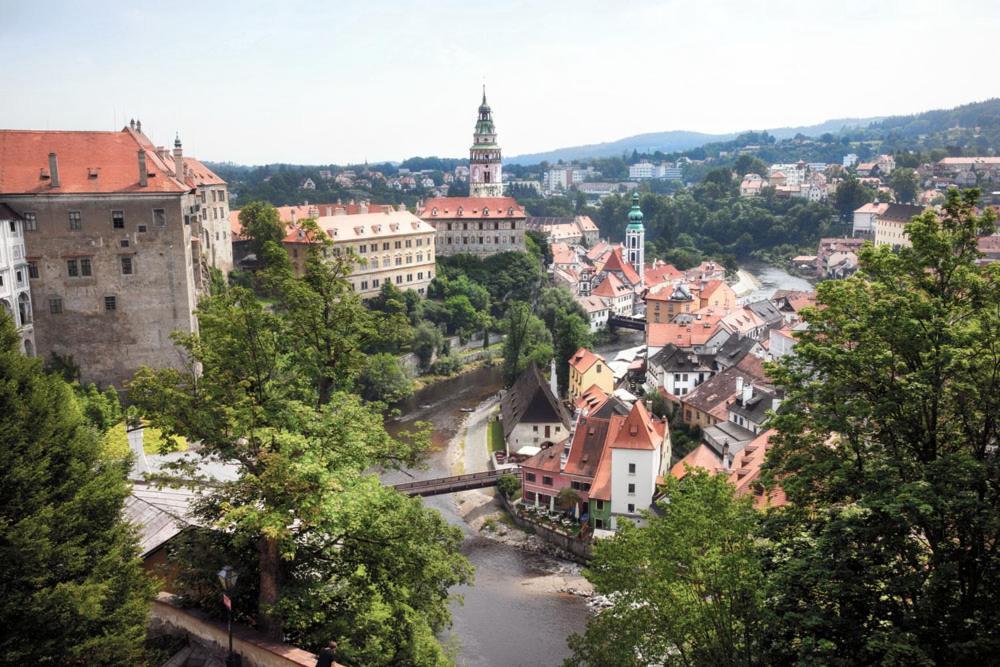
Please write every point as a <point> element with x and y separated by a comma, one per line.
<point>635,239</point>
<point>484,156</point>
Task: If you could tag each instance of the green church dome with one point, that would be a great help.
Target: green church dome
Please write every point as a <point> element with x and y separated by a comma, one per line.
<point>635,214</point>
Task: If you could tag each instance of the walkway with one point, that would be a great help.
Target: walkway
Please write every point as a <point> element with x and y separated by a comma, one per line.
<point>441,485</point>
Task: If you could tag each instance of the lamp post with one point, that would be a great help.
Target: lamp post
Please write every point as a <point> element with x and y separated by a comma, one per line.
<point>227,577</point>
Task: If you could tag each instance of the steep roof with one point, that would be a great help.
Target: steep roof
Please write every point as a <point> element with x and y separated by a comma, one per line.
<point>531,400</point>
<point>659,272</point>
<point>746,471</point>
<point>562,253</point>
<point>900,212</point>
<point>547,460</point>
<point>7,213</point>
<point>87,163</point>
<point>637,430</point>
<point>583,359</point>
<point>610,287</point>
<point>472,207</point>
<point>587,447</point>
<point>689,334</point>
<point>159,514</point>
<point>719,389</point>
<point>615,262</point>
<point>592,399</point>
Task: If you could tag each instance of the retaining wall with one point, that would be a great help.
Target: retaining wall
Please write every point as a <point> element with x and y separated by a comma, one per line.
<point>166,618</point>
<point>581,550</point>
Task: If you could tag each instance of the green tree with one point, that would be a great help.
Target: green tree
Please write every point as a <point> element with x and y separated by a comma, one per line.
<point>260,222</point>
<point>571,333</point>
<point>74,591</point>
<point>887,450</point>
<point>527,342</point>
<point>904,183</point>
<point>852,195</point>
<point>686,589</point>
<point>304,503</point>
<point>384,379</point>
<point>427,340</point>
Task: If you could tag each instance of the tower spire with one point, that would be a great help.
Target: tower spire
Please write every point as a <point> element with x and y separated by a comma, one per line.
<point>484,94</point>
<point>484,157</point>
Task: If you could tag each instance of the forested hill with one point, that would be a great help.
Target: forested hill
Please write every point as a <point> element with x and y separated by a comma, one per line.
<point>676,141</point>
<point>973,127</point>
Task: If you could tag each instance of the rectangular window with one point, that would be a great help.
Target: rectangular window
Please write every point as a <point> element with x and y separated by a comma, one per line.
<point>19,277</point>
<point>159,217</point>
<point>118,219</point>
<point>55,305</point>
<point>375,282</point>
<point>142,229</point>
<point>409,243</point>
<point>126,266</point>
<point>85,267</point>
<point>110,303</point>
<point>420,275</point>
<point>385,246</point>
<point>575,485</point>
<point>599,523</point>
<point>33,270</point>
<point>74,220</point>
<point>631,468</point>
<point>398,245</point>
<point>72,268</point>
<point>409,277</point>
<point>399,261</point>
<point>399,280</point>
<point>631,508</point>
<point>631,489</point>
<point>530,476</point>
<point>600,505</point>
<point>30,222</point>
<point>547,481</point>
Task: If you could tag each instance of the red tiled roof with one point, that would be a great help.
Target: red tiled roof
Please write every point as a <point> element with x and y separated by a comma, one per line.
<point>616,263</point>
<point>472,207</point>
<point>87,162</point>
<point>660,272</point>
<point>592,399</point>
<point>697,332</point>
<point>198,174</point>
<point>701,456</point>
<point>746,471</point>
<point>611,286</point>
<point>561,254</point>
<point>583,359</point>
<point>637,430</point>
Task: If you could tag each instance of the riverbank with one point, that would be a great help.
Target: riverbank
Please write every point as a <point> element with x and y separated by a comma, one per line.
<point>424,381</point>
<point>468,452</point>
<point>746,283</point>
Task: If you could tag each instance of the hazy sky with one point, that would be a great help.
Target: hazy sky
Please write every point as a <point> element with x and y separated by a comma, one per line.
<point>335,82</point>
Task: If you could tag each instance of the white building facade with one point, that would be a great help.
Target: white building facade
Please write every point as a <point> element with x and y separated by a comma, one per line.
<point>15,273</point>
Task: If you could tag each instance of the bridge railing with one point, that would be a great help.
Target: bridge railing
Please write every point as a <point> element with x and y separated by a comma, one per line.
<point>447,481</point>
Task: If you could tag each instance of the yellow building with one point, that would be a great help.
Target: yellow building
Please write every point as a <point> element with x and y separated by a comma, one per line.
<point>392,246</point>
<point>587,369</point>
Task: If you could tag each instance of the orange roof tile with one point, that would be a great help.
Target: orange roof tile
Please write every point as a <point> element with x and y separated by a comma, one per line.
<point>473,207</point>
<point>616,263</point>
<point>701,456</point>
<point>87,162</point>
<point>583,359</point>
<point>610,287</point>
<point>592,399</point>
<point>637,430</point>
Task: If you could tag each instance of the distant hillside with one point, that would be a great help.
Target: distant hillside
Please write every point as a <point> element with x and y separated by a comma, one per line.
<point>676,141</point>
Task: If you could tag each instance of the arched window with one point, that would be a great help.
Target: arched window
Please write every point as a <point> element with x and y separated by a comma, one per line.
<point>29,349</point>
<point>434,211</point>
<point>486,210</point>
<point>24,309</point>
<point>486,177</point>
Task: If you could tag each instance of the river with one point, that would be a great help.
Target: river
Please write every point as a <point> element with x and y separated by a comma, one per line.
<point>773,278</point>
<point>503,619</point>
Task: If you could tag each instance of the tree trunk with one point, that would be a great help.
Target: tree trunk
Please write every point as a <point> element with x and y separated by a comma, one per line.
<point>269,563</point>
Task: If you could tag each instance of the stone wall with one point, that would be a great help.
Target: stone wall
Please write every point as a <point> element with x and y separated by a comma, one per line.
<point>581,550</point>
<point>168,619</point>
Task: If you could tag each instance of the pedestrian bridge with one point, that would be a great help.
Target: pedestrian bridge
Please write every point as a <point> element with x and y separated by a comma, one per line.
<point>625,322</point>
<point>442,485</point>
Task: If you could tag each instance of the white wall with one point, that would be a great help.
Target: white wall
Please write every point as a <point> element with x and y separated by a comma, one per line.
<point>646,468</point>
<point>525,434</point>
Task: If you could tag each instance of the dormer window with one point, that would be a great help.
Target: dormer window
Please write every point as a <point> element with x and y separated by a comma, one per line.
<point>434,211</point>
<point>510,210</point>
<point>460,210</point>
<point>486,211</point>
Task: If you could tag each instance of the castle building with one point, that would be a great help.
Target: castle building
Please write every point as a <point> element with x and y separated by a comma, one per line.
<point>120,236</point>
<point>635,240</point>
<point>485,222</point>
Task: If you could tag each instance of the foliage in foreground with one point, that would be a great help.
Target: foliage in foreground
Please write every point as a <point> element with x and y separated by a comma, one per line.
<point>326,552</point>
<point>74,591</point>
<point>887,449</point>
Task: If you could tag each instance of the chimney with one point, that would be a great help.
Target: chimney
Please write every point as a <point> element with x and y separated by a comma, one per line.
<point>138,126</point>
<point>747,392</point>
<point>53,171</point>
<point>143,174</point>
<point>178,158</point>
<point>739,385</point>
<point>726,458</point>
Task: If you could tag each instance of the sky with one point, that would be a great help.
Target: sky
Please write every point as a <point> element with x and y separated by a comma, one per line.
<point>342,82</point>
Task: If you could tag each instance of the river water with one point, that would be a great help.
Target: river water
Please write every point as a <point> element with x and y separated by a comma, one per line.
<point>503,619</point>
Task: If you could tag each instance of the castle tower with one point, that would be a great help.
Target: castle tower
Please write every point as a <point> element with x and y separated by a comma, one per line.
<point>635,239</point>
<point>484,156</point>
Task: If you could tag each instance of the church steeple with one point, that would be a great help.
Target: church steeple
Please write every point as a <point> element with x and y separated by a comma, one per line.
<point>484,156</point>
<point>635,239</point>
